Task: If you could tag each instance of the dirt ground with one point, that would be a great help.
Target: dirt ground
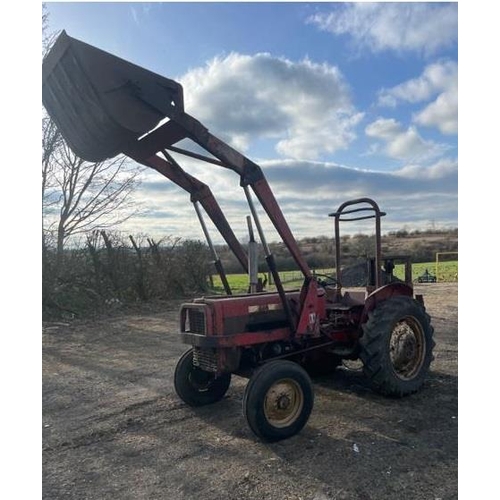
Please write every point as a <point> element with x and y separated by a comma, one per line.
<point>113,427</point>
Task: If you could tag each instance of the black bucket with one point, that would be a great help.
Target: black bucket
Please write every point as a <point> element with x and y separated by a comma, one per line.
<point>100,103</point>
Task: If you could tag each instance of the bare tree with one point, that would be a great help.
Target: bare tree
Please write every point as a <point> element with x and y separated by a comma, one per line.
<point>51,142</point>
<point>51,137</point>
<point>48,37</point>
<point>81,196</point>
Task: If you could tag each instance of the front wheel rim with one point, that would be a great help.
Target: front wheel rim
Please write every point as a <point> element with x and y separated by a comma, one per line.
<point>407,348</point>
<point>200,380</point>
<point>283,403</point>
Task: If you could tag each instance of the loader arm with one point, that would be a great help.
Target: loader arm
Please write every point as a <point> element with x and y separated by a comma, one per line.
<point>201,193</point>
<point>184,126</point>
<point>251,175</point>
<point>104,105</point>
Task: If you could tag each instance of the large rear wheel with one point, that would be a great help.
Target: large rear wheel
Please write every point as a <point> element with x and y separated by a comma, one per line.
<point>197,387</point>
<point>396,346</point>
<point>278,400</point>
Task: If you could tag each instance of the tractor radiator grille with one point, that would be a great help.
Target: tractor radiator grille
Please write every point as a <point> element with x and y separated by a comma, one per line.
<point>196,321</point>
<point>206,359</point>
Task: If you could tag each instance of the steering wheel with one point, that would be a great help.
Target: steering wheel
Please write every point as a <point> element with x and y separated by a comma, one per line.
<point>327,281</point>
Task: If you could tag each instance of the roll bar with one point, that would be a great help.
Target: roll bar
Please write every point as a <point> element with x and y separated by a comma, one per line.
<point>376,214</point>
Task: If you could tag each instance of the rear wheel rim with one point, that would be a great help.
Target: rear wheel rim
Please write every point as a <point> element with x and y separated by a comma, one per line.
<point>407,348</point>
<point>283,403</point>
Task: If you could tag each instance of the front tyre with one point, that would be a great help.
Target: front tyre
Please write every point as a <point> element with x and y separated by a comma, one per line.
<point>396,346</point>
<point>197,387</point>
<point>278,400</point>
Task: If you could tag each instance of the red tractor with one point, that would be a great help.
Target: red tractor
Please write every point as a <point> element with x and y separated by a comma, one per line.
<point>104,106</point>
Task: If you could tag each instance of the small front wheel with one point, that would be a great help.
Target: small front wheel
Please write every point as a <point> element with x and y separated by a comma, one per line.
<point>278,400</point>
<point>197,387</point>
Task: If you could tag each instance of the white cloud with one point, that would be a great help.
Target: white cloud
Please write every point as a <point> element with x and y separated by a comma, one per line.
<point>420,27</point>
<point>436,78</point>
<point>445,168</point>
<point>442,113</point>
<point>402,144</point>
<point>310,180</point>
<point>307,141</point>
<point>439,79</point>
<point>383,128</point>
<point>306,191</point>
<point>306,107</point>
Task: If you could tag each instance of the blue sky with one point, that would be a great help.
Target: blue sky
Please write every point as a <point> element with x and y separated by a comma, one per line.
<point>334,101</point>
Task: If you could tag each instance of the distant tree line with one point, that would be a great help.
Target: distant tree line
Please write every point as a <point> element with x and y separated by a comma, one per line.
<point>319,252</point>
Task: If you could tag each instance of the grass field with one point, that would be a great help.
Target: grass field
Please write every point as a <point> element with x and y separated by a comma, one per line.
<point>447,272</point>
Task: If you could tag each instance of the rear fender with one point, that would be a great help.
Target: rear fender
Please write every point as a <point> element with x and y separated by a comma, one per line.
<point>383,293</point>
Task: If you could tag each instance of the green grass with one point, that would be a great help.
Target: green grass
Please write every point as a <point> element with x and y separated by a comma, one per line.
<point>448,272</point>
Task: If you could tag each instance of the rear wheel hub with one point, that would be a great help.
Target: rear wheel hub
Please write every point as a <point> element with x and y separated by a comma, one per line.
<point>407,348</point>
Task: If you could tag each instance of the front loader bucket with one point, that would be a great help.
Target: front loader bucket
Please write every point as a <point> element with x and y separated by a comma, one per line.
<point>100,103</point>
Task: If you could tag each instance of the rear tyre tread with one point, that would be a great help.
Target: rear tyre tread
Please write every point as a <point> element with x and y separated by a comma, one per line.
<point>377,365</point>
